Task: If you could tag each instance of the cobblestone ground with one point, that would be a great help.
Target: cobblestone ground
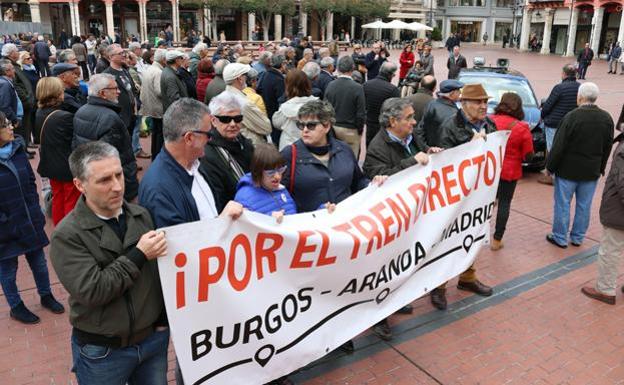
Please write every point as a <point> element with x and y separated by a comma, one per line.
<point>536,329</point>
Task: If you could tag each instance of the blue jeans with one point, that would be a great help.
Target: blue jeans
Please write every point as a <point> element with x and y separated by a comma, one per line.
<point>92,60</point>
<point>8,272</point>
<point>136,144</point>
<point>584,193</point>
<point>141,364</point>
<point>550,136</point>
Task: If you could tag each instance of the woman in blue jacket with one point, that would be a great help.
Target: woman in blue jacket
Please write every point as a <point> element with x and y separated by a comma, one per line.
<point>261,189</point>
<point>21,226</point>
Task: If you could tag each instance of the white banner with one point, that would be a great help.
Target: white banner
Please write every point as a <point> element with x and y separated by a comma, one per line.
<point>251,300</point>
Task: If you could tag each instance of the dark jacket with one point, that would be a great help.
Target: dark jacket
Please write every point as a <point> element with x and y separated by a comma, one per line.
<point>347,98</point>
<point>451,42</point>
<point>21,219</point>
<point>127,95</point>
<point>24,88</point>
<point>582,144</point>
<point>113,289</point>
<point>585,57</point>
<point>33,77</point>
<point>99,120</point>
<point>165,191</point>
<point>454,66</point>
<point>456,131</point>
<point>323,80</point>
<point>101,65</point>
<point>427,64</point>
<point>217,170</point>
<point>188,81</point>
<point>376,92</point>
<point>260,200</point>
<point>8,99</point>
<point>56,143</point>
<point>562,99</point>
<point>420,100</point>
<point>42,51</point>
<point>172,88</point>
<point>612,204</point>
<point>271,87</point>
<point>316,184</point>
<point>429,129</point>
<point>373,65</point>
<point>194,60</point>
<point>73,100</point>
<point>216,86</point>
<point>384,156</point>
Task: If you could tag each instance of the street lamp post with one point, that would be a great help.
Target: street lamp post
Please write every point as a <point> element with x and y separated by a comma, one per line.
<point>517,5</point>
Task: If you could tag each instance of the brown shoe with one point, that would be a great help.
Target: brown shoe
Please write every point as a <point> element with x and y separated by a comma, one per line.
<point>545,179</point>
<point>475,287</point>
<point>438,298</point>
<point>142,154</point>
<point>496,245</point>
<point>595,294</point>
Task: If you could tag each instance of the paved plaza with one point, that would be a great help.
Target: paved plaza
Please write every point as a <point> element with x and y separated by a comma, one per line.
<point>537,328</point>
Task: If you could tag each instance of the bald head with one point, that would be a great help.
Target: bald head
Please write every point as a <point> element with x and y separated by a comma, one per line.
<point>429,83</point>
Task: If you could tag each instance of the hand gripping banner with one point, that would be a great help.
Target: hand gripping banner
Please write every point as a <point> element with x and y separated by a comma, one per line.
<point>250,300</point>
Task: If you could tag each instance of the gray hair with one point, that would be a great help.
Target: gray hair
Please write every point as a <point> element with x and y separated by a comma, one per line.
<point>588,92</point>
<point>326,62</point>
<point>388,69</point>
<point>89,152</point>
<point>308,51</point>
<point>322,109</point>
<point>264,56</point>
<point>311,69</point>
<point>98,82</point>
<point>199,47</point>
<point>111,48</point>
<point>569,70</point>
<point>65,55</point>
<point>4,66</point>
<point>346,64</point>
<point>220,65</point>
<point>182,116</point>
<point>392,108</point>
<point>134,45</point>
<point>226,101</point>
<point>323,51</point>
<point>238,47</point>
<point>290,49</point>
<point>40,38</point>
<point>252,75</point>
<point>160,55</point>
<point>8,49</point>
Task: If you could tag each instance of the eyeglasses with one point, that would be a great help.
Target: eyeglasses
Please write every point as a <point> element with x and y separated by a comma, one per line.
<point>272,173</point>
<point>122,53</point>
<point>111,88</point>
<point>228,119</point>
<point>311,125</point>
<point>206,133</point>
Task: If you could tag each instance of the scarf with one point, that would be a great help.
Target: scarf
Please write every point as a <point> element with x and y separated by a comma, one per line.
<point>320,151</point>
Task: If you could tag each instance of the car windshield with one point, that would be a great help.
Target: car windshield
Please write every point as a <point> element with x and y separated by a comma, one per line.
<point>496,87</point>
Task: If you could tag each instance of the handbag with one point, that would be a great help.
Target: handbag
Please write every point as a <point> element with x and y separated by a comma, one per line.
<point>43,129</point>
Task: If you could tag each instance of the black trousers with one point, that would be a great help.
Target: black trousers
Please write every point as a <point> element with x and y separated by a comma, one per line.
<point>505,195</point>
<point>43,68</point>
<point>582,70</point>
<point>157,136</point>
<point>85,70</point>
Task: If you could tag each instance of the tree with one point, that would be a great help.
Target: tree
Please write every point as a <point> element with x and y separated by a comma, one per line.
<point>367,9</point>
<point>320,10</point>
<point>214,6</point>
<point>265,9</point>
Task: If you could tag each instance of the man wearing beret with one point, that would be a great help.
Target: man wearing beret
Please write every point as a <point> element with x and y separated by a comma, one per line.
<point>469,123</point>
<point>70,76</point>
<point>428,131</point>
<point>171,87</point>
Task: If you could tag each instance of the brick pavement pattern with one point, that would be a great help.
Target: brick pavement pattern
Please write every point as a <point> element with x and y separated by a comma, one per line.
<point>546,334</point>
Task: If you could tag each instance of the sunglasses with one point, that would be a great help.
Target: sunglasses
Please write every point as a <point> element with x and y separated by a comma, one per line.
<point>228,119</point>
<point>311,125</point>
<point>272,173</point>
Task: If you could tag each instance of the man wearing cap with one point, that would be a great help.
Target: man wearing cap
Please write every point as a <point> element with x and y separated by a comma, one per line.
<point>256,126</point>
<point>127,89</point>
<point>171,87</point>
<point>437,111</point>
<point>469,123</point>
<point>70,76</point>
<point>272,87</point>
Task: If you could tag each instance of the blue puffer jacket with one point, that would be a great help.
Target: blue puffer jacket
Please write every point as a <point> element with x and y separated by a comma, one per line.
<point>260,200</point>
<point>21,220</point>
<point>562,99</point>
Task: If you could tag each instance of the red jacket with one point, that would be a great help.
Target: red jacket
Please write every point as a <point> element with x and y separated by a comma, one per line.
<point>407,61</point>
<point>520,144</point>
<point>201,84</point>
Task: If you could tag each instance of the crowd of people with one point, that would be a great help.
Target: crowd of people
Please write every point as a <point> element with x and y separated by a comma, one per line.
<point>294,130</point>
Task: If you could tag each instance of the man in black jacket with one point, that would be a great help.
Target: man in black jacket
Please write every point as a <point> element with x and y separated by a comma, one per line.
<point>373,61</point>
<point>272,87</point>
<point>99,120</point>
<point>172,88</point>
<point>455,63</point>
<point>584,59</point>
<point>42,56</point>
<point>127,88</point>
<point>228,154</point>
<point>428,132</point>
<point>70,76</point>
<point>562,99</point>
<point>578,157</point>
<point>347,98</point>
<point>376,92</point>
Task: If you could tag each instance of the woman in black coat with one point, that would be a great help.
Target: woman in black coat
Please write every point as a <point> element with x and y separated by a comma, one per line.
<point>57,129</point>
<point>21,226</point>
